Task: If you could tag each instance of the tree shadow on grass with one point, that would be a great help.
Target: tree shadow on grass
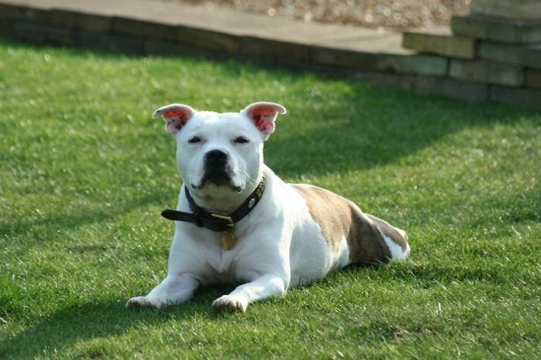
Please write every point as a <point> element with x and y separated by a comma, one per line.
<point>373,126</point>
<point>78,323</point>
<point>82,322</point>
<point>65,219</point>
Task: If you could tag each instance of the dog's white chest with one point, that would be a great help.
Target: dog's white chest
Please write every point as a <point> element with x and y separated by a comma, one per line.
<point>221,264</point>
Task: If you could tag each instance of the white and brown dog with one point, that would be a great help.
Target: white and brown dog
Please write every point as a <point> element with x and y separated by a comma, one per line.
<point>238,222</point>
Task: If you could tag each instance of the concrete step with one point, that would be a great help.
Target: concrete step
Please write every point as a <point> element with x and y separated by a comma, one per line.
<point>487,72</point>
<point>440,41</point>
<point>497,29</point>
<point>533,78</point>
<point>528,56</point>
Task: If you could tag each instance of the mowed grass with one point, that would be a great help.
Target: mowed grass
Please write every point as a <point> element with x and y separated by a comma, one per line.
<point>85,172</point>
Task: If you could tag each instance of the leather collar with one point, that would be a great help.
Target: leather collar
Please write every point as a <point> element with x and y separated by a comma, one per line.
<point>216,222</point>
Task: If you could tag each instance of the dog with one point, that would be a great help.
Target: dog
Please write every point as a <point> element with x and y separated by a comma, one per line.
<point>237,222</point>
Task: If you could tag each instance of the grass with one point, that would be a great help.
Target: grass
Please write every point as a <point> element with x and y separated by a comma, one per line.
<point>85,171</point>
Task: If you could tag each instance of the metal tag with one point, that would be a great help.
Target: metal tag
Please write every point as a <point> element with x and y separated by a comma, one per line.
<point>228,239</point>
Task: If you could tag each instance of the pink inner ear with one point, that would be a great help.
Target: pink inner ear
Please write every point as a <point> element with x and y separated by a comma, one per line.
<point>262,124</point>
<point>263,118</point>
<point>171,113</point>
<point>175,118</point>
<point>178,114</point>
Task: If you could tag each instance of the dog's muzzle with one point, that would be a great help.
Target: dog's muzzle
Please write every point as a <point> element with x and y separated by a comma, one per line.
<point>217,169</point>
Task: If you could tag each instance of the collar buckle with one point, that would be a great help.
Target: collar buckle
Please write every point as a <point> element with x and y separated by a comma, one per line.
<point>229,220</point>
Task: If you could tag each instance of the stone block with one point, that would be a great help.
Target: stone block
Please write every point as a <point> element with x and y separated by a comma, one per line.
<point>514,9</point>
<point>428,85</point>
<point>61,36</point>
<point>37,13</point>
<point>343,58</point>
<point>511,54</point>
<point>498,52</point>
<point>94,41</point>
<point>412,64</point>
<point>80,21</point>
<point>144,29</point>
<point>208,40</point>
<point>497,29</point>
<point>533,79</point>
<point>440,42</point>
<point>45,34</point>
<point>487,72</point>
<point>466,90</point>
<point>12,11</point>
<point>7,28</point>
<point>531,56</point>
<point>524,97</point>
<point>111,43</point>
<point>160,48</point>
<point>37,16</point>
<point>124,45</point>
<point>402,81</point>
<point>274,49</point>
<point>30,32</point>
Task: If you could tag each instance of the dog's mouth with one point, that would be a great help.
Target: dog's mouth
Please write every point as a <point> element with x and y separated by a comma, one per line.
<point>218,180</point>
<point>217,177</point>
<point>217,172</point>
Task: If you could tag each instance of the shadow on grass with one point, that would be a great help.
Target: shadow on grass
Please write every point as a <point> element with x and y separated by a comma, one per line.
<point>66,219</point>
<point>78,323</point>
<point>86,321</point>
<point>374,126</point>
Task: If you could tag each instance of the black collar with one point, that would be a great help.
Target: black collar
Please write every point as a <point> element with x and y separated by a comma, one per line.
<point>216,222</point>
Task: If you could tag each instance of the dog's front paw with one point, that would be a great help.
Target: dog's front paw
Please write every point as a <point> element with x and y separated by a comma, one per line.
<point>230,303</point>
<point>144,301</point>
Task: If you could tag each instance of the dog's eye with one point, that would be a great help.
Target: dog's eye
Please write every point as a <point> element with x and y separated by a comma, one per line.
<point>194,140</point>
<point>241,140</point>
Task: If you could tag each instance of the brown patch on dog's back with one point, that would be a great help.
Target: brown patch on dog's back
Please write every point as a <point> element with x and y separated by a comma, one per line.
<point>338,218</point>
<point>327,208</point>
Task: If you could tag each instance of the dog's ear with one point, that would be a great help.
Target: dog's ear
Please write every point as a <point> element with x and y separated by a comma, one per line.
<point>175,116</point>
<point>263,114</point>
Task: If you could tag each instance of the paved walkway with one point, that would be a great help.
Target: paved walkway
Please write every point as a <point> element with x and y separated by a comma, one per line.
<point>237,25</point>
<point>228,22</point>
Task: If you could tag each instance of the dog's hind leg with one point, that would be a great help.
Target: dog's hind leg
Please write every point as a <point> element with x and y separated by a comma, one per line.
<point>373,240</point>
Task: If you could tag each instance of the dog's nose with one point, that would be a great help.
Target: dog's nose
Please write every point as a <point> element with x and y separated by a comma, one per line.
<point>216,156</point>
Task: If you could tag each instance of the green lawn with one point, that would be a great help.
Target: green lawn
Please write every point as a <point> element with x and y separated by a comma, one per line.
<point>85,172</point>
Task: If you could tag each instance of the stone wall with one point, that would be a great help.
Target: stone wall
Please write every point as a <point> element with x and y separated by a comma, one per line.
<point>502,54</point>
<point>478,58</point>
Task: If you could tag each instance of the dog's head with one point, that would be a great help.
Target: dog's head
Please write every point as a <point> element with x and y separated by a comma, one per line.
<point>220,152</point>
